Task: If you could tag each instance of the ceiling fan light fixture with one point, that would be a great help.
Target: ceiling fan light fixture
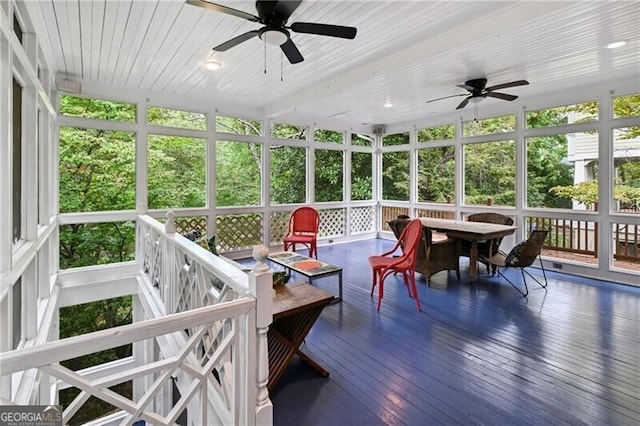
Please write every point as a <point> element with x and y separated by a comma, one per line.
<point>477,99</point>
<point>274,36</point>
<point>213,65</point>
<point>616,44</point>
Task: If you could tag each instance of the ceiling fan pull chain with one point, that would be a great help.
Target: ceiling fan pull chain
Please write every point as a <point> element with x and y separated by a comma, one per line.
<point>281,68</point>
<point>265,55</point>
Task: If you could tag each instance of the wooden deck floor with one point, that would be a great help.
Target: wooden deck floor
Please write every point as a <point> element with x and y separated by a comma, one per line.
<point>476,354</point>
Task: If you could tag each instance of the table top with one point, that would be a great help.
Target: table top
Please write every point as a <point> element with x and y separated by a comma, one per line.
<point>295,297</point>
<point>305,265</point>
<point>468,230</point>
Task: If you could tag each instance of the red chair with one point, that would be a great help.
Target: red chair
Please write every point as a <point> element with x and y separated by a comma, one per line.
<point>385,264</point>
<point>303,229</point>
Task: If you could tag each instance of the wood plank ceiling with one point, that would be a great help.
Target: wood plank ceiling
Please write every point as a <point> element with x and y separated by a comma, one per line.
<point>406,52</point>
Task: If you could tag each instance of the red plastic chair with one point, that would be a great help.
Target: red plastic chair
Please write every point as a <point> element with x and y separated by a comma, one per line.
<point>385,264</point>
<point>303,229</point>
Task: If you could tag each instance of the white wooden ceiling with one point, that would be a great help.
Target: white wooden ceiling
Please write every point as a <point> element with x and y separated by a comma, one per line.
<point>406,52</point>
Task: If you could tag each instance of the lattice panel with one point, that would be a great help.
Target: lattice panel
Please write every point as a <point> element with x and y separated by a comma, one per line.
<point>238,231</point>
<point>436,214</point>
<point>363,219</point>
<point>278,226</point>
<point>188,223</point>
<point>332,223</point>
<point>151,256</point>
<point>390,213</point>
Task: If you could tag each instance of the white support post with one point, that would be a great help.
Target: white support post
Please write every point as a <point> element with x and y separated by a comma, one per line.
<point>261,285</point>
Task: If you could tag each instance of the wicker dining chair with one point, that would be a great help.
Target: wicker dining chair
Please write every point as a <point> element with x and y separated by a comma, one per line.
<point>522,256</point>
<point>433,256</point>
<point>486,249</point>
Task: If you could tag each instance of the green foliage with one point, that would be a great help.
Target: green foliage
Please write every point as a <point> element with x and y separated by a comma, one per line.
<point>587,193</point>
<point>490,172</point>
<point>176,118</point>
<point>288,173</point>
<point>321,135</point>
<point>176,170</point>
<point>436,174</point>
<point>98,109</point>
<point>627,106</point>
<point>96,169</point>
<point>329,175</point>
<point>238,126</point>
<point>447,131</point>
<point>361,140</point>
<point>546,168</point>
<point>96,244</point>
<point>396,139</point>
<point>238,173</point>
<point>489,126</point>
<point>395,176</point>
<point>361,176</point>
<point>288,131</point>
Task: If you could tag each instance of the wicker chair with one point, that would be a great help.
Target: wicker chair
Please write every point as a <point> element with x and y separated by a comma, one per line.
<point>432,256</point>
<point>521,256</point>
<point>486,249</point>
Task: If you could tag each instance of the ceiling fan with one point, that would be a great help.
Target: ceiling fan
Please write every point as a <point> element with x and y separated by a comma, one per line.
<point>477,91</point>
<point>273,15</point>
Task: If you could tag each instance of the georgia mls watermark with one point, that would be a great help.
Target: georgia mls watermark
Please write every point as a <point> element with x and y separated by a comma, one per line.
<point>30,415</point>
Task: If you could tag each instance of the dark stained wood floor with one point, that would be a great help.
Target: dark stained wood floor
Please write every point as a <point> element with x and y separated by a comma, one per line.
<point>476,354</point>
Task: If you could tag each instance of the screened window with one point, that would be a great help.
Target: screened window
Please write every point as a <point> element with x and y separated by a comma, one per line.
<point>569,114</point>
<point>396,139</point>
<point>361,176</point>
<point>321,135</point>
<point>329,175</point>
<point>361,140</point>
<point>489,126</point>
<point>238,173</point>
<point>436,174</point>
<point>490,173</point>
<point>626,106</point>
<point>238,126</point>
<point>288,131</point>
<point>168,117</point>
<point>626,169</point>
<point>16,178</point>
<point>16,320</point>
<point>97,109</point>
<point>176,172</point>
<point>548,167</point>
<point>96,243</point>
<point>96,169</point>
<point>395,176</point>
<point>288,174</point>
<point>447,131</point>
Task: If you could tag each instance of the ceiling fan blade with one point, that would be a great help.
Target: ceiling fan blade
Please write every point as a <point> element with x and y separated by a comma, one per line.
<point>504,96</point>
<point>507,85</point>
<point>223,9</point>
<point>463,103</point>
<point>235,41</point>
<point>324,29</point>
<point>466,87</point>
<point>291,52</point>
<point>447,97</point>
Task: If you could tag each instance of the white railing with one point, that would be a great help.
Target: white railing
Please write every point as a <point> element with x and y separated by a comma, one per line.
<point>202,328</point>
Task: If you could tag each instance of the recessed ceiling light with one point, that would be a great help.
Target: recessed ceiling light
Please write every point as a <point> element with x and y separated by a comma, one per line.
<point>616,44</point>
<point>213,65</point>
<point>388,104</point>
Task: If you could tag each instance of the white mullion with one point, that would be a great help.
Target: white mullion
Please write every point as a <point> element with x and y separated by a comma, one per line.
<point>266,187</point>
<point>212,140</point>
<point>142,171</point>
<point>29,157</point>
<point>521,174</point>
<point>605,183</point>
<point>6,167</point>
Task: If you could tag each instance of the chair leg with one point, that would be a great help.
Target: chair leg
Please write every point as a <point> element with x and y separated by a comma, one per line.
<point>373,281</point>
<point>380,291</point>
<point>412,280</point>
<point>523,293</point>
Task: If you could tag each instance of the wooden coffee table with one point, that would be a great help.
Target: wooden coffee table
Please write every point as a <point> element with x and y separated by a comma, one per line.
<point>296,307</point>
<point>307,266</point>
